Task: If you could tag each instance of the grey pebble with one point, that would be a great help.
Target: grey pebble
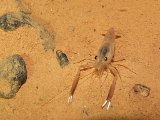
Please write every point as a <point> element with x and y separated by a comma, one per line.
<point>12,21</point>
<point>141,89</point>
<point>62,58</point>
<point>13,75</point>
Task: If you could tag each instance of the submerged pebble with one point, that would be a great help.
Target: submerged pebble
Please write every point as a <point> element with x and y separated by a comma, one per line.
<point>141,89</point>
<point>62,58</point>
<point>13,75</point>
<point>12,21</point>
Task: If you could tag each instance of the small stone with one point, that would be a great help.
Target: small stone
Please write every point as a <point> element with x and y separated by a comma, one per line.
<point>12,21</point>
<point>62,58</point>
<point>141,89</point>
<point>13,75</point>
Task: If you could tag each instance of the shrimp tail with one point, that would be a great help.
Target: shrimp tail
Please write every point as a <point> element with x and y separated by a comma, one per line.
<point>110,35</point>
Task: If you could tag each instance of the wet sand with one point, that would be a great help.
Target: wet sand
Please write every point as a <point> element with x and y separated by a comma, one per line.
<point>78,25</point>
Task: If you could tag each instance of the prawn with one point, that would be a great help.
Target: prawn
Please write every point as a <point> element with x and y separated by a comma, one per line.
<point>103,62</point>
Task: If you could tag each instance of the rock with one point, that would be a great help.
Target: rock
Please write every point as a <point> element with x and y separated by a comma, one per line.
<point>141,89</point>
<point>13,75</point>
<point>62,58</point>
<point>12,21</point>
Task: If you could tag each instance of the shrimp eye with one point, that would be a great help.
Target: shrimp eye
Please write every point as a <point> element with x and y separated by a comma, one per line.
<point>105,58</point>
<point>95,57</point>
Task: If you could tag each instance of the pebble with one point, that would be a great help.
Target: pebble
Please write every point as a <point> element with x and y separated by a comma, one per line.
<point>13,75</point>
<point>62,58</point>
<point>141,89</point>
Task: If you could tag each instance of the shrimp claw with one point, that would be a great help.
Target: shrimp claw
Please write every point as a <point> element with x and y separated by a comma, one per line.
<point>70,98</point>
<point>108,103</point>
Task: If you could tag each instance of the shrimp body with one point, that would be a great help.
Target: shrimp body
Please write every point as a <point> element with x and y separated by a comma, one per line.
<point>102,63</point>
<point>106,51</point>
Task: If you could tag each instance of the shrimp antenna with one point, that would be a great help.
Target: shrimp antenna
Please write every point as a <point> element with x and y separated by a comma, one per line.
<point>126,68</point>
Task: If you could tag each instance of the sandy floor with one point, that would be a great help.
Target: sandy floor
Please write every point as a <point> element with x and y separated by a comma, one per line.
<point>78,25</point>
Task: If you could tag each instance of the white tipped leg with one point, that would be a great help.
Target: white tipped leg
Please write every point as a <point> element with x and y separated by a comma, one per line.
<point>112,87</point>
<point>70,99</point>
<point>106,103</point>
<point>76,80</point>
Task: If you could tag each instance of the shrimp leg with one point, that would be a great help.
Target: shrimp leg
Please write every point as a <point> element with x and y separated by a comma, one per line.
<point>76,80</point>
<point>112,88</point>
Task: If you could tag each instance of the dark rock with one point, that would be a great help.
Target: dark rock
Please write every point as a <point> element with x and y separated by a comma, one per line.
<point>12,21</point>
<point>62,58</point>
<point>13,75</point>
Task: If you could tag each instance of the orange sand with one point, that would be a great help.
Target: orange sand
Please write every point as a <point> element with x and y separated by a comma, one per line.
<point>78,25</point>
